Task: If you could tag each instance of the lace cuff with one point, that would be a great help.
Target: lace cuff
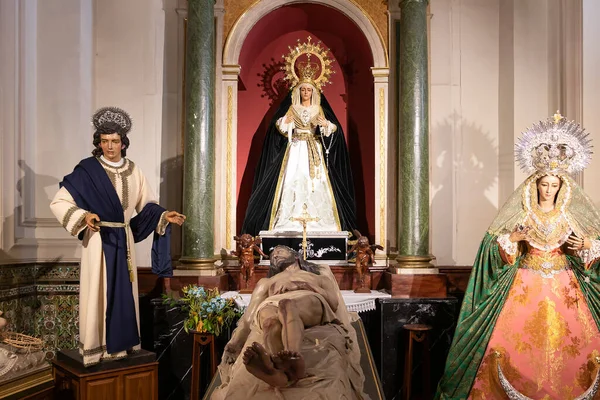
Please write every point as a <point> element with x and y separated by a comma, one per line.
<point>590,255</point>
<point>162,224</point>
<point>328,129</point>
<point>285,128</point>
<point>507,246</point>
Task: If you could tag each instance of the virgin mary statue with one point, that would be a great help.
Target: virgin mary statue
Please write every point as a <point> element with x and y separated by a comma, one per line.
<point>304,167</point>
<point>529,323</point>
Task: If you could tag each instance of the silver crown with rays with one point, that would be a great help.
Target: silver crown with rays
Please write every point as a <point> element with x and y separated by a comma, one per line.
<point>112,114</point>
<point>554,146</point>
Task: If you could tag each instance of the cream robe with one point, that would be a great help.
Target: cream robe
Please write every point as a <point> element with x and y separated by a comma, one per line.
<point>296,187</point>
<point>134,192</point>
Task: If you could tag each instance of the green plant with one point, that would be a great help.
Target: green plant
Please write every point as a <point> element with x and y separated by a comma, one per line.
<point>207,310</point>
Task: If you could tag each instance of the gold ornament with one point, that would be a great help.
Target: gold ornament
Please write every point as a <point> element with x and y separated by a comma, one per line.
<point>315,72</point>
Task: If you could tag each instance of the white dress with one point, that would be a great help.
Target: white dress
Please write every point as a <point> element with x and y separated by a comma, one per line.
<point>303,178</point>
<point>134,193</point>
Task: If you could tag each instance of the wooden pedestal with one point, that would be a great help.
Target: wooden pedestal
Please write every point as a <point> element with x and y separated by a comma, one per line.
<point>111,380</point>
<point>202,340</point>
<point>416,285</point>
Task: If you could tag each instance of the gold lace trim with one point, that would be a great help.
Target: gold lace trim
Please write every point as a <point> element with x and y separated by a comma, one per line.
<point>68,215</point>
<point>546,263</point>
<point>78,224</point>
<point>124,172</point>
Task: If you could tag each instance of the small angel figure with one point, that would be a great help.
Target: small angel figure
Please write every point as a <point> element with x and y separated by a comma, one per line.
<point>246,245</point>
<point>365,256</point>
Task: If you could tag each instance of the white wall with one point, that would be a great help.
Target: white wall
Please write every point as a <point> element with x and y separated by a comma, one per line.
<point>63,59</point>
<point>497,66</point>
<point>128,65</point>
<point>46,102</point>
<point>591,93</point>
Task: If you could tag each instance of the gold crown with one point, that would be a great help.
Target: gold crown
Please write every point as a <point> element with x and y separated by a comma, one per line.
<point>308,71</point>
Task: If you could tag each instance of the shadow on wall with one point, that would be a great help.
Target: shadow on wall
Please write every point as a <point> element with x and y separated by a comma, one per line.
<point>29,187</point>
<point>464,167</point>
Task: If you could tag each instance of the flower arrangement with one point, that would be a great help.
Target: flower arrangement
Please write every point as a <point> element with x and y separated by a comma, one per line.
<point>207,311</point>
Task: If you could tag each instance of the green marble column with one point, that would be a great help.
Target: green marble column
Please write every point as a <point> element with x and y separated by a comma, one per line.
<point>413,140</point>
<point>199,152</point>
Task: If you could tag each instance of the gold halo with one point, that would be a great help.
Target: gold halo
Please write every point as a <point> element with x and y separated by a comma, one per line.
<point>310,49</point>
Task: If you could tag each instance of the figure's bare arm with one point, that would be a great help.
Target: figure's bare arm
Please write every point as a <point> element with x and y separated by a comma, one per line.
<point>329,292</point>
<point>260,293</point>
<point>240,334</point>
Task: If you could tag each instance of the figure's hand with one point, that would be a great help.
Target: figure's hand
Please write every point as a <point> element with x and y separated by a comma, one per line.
<point>519,233</point>
<point>175,218</point>
<point>321,120</point>
<point>578,243</point>
<point>230,353</point>
<point>288,119</point>
<point>90,220</point>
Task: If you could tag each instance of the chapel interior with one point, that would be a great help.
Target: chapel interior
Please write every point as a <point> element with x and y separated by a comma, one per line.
<point>431,95</point>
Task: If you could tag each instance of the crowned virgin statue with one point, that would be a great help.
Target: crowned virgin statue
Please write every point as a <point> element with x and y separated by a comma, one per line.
<point>529,324</point>
<point>304,164</point>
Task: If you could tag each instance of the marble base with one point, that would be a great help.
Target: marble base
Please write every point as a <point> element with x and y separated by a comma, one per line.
<point>389,339</point>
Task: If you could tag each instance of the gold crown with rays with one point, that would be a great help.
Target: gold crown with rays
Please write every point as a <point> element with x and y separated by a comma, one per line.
<point>308,71</point>
<point>554,146</point>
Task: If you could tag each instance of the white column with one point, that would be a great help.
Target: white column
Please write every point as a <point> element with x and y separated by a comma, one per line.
<point>228,193</point>
<point>381,87</point>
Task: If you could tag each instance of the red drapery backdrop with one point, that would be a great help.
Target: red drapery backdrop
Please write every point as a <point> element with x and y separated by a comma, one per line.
<point>350,94</point>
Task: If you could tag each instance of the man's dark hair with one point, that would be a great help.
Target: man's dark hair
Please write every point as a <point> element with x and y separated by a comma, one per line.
<point>108,128</point>
<point>293,258</point>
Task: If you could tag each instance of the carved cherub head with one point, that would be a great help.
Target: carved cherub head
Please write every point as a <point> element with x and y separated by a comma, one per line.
<point>246,240</point>
<point>363,242</point>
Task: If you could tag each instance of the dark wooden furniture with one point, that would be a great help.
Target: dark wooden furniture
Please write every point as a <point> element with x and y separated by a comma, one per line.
<point>201,340</point>
<point>417,333</point>
<point>135,377</point>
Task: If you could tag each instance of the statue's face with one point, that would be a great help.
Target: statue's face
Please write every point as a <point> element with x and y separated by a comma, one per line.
<point>363,241</point>
<point>282,256</point>
<point>547,187</point>
<point>306,92</point>
<point>111,146</point>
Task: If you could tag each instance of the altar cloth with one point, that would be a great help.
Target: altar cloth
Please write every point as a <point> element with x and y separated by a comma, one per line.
<point>355,302</point>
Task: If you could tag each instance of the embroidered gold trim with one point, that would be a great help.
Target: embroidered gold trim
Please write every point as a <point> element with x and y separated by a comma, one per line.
<point>78,224</point>
<point>68,215</point>
<point>545,263</point>
<point>90,352</point>
<point>101,349</point>
<point>124,172</point>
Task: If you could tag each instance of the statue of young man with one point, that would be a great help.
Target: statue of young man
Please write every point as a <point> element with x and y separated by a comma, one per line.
<point>96,202</point>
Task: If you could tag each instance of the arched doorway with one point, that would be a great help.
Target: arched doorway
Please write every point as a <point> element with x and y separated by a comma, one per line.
<point>358,95</point>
